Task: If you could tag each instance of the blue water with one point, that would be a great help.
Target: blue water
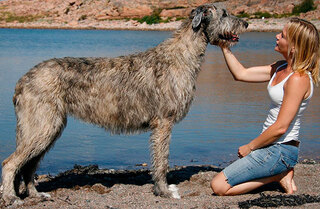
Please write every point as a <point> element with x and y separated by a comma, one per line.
<point>225,114</point>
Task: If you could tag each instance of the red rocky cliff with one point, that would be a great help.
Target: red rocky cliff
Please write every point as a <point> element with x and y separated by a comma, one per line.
<point>72,12</point>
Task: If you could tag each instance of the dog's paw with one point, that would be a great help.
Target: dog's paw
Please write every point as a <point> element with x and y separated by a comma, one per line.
<point>40,195</point>
<point>174,189</point>
<point>17,203</point>
<point>45,195</point>
<point>12,200</point>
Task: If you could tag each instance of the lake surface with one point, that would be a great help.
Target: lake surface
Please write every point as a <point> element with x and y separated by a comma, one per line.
<point>225,114</point>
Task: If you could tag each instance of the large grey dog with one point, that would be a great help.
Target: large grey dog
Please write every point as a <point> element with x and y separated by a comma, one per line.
<point>150,90</point>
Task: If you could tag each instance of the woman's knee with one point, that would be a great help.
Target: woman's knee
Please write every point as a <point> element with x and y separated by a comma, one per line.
<point>219,184</point>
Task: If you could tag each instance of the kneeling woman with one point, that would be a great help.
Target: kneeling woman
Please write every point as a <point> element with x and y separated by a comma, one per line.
<point>272,155</point>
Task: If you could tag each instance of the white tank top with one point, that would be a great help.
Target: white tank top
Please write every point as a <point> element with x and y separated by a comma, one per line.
<point>276,93</point>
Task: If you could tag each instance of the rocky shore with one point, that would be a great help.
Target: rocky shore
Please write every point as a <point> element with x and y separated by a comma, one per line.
<point>255,25</point>
<point>127,14</point>
<point>91,187</point>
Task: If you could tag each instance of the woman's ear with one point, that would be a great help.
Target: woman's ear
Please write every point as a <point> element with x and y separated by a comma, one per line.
<point>292,50</point>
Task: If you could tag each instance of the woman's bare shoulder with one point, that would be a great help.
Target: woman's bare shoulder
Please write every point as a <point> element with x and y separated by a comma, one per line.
<point>298,82</point>
<point>299,78</point>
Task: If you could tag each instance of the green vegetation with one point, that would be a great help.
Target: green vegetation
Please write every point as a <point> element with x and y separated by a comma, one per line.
<point>180,18</point>
<point>262,14</point>
<point>154,18</point>
<point>9,17</point>
<point>175,8</point>
<point>305,6</point>
<point>83,17</point>
<point>281,15</point>
<point>243,15</point>
<point>259,15</point>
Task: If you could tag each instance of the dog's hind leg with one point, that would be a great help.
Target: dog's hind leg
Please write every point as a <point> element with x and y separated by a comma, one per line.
<point>11,173</point>
<point>47,135</point>
<point>28,172</point>
<point>159,144</point>
<point>38,126</point>
<point>10,179</point>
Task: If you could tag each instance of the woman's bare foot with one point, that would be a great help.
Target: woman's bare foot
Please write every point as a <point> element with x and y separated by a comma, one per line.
<point>286,181</point>
<point>294,187</point>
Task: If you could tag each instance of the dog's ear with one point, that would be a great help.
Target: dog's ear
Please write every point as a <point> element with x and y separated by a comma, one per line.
<point>197,17</point>
<point>198,14</point>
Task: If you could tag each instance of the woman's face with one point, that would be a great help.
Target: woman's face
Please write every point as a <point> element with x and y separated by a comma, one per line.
<point>282,44</point>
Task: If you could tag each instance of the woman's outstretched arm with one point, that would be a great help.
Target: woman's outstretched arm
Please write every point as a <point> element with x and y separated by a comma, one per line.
<point>252,74</point>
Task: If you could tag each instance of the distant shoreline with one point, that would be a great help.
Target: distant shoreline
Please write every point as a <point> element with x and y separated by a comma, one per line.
<point>255,25</point>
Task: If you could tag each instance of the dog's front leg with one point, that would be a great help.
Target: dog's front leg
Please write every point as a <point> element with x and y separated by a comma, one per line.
<point>159,145</point>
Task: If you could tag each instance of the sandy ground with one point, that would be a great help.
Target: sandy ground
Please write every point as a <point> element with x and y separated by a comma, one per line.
<point>90,187</point>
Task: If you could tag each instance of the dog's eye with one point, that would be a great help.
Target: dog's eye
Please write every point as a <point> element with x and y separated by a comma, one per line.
<point>206,13</point>
<point>224,13</point>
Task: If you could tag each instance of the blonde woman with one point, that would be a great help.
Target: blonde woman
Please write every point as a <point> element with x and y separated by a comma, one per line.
<point>271,156</point>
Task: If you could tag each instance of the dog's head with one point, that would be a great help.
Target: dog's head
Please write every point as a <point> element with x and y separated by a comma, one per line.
<point>220,27</point>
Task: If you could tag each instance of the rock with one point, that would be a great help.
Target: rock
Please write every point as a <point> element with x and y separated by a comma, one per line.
<point>73,23</point>
<point>138,11</point>
<point>308,161</point>
<point>270,6</point>
<point>266,201</point>
<point>111,11</point>
<point>175,12</point>
<point>240,9</point>
<point>100,189</point>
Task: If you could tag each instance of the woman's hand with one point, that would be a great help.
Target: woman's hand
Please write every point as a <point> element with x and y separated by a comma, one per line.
<point>224,46</point>
<point>244,151</point>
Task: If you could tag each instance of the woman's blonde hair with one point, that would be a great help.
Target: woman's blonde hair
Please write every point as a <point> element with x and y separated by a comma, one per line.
<point>303,36</point>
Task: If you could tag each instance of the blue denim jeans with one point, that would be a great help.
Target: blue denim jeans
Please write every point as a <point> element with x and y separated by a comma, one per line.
<point>261,163</point>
